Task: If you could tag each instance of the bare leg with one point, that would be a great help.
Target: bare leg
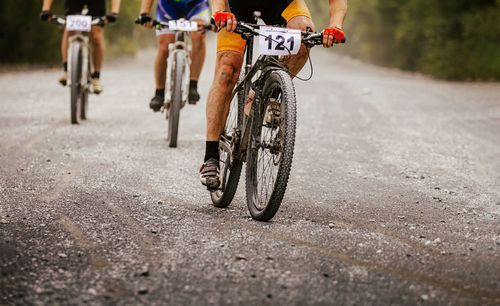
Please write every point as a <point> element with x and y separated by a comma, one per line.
<point>227,70</point>
<point>197,53</point>
<point>97,47</point>
<point>296,62</point>
<point>161,59</point>
<point>64,47</point>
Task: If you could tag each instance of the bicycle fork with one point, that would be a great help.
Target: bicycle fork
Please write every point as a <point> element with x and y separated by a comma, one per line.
<point>175,48</point>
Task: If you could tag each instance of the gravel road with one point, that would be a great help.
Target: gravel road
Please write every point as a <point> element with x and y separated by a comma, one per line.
<point>394,196</point>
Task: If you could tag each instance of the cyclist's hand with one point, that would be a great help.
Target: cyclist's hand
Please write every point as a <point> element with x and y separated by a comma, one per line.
<point>146,20</point>
<point>225,19</point>
<point>46,16</point>
<point>332,36</point>
<point>110,18</point>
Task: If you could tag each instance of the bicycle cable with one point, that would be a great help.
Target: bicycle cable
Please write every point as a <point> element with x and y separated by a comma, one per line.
<point>290,54</point>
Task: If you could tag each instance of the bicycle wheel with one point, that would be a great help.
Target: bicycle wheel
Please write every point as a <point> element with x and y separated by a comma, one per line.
<point>176,99</point>
<point>270,147</point>
<point>230,168</point>
<point>84,104</point>
<point>76,74</point>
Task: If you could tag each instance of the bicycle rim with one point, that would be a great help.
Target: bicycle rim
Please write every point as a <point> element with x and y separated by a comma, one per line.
<point>230,168</point>
<point>176,99</point>
<point>271,145</point>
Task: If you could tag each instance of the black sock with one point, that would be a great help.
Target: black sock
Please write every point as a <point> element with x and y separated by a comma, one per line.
<point>193,84</point>
<point>212,150</point>
<point>96,75</point>
<point>160,92</point>
<point>65,65</point>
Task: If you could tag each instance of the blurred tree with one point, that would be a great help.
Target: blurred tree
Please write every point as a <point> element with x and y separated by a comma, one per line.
<point>457,39</point>
<point>25,38</point>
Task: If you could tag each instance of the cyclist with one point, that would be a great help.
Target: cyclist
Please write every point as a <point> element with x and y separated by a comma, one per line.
<point>230,48</point>
<point>195,10</point>
<point>96,8</point>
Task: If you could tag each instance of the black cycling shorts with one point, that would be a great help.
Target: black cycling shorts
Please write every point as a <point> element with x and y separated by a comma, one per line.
<point>97,8</point>
<point>270,10</point>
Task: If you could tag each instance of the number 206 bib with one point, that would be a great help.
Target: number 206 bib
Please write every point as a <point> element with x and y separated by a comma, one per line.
<point>279,41</point>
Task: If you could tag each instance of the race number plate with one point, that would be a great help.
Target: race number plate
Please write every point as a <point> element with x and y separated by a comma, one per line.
<point>182,25</point>
<point>78,23</point>
<point>279,41</point>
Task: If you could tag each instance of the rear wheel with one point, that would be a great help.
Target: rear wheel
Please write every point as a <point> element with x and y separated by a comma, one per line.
<point>270,147</point>
<point>76,75</point>
<point>230,168</point>
<point>176,99</point>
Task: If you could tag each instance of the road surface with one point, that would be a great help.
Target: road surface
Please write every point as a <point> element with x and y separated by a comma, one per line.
<point>394,196</point>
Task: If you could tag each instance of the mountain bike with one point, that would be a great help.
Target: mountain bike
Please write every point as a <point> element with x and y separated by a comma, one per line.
<point>264,138</point>
<point>178,71</point>
<point>80,64</point>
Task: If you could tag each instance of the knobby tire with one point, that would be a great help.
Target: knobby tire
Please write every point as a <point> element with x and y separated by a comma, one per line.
<point>176,99</point>
<point>76,74</point>
<point>265,194</point>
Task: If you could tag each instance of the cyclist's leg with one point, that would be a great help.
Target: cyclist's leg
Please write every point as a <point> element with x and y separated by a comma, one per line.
<point>164,40</point>
<point>97,39</point>
<point>198,11</point>
<point>64,47</point>
<point>97,8</point>
<point>230,48</point>
<point>165,11</point>
<point>227,70</point>
<point>298,17</point>
<point>70,8</point>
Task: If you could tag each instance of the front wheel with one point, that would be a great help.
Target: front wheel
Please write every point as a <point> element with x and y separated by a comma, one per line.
<point>84,104</point>
<point>176,99</point>
<point>270,147</point>
<point>76,75</point>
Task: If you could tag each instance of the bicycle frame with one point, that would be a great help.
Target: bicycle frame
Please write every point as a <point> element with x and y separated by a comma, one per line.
<point>181,44</point>
<point>264,64</point>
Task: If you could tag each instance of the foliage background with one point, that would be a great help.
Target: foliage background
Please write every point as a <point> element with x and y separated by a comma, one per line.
<point>451,39</point>
<point>24,38</point>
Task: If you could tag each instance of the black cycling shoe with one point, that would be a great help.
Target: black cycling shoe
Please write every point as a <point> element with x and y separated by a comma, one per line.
<point>194,96</point>
<point>156,103</point>
<point>209,174</point>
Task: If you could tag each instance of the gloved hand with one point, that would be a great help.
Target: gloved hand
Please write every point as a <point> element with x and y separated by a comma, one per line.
<point>144,19</point>
<point>332,36</point>
<point>225,19</point>
<point>112,17</point>
<point>45,15</point>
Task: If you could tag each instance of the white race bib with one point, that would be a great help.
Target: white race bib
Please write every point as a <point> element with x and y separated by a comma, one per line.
<point>78,23</point>
<point>182,25</point>
<point>279,41</point>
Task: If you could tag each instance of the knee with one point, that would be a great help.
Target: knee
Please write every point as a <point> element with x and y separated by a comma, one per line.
<point>228,71</point>
<point>97,40</point>
<point>301,22</point>
<point>163,50</point>
<point>198,38</point>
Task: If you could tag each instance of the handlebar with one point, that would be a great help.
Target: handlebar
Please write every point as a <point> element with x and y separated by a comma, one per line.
<point>310,39</point>
<point>58,19</point>
<point>164,25</point>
